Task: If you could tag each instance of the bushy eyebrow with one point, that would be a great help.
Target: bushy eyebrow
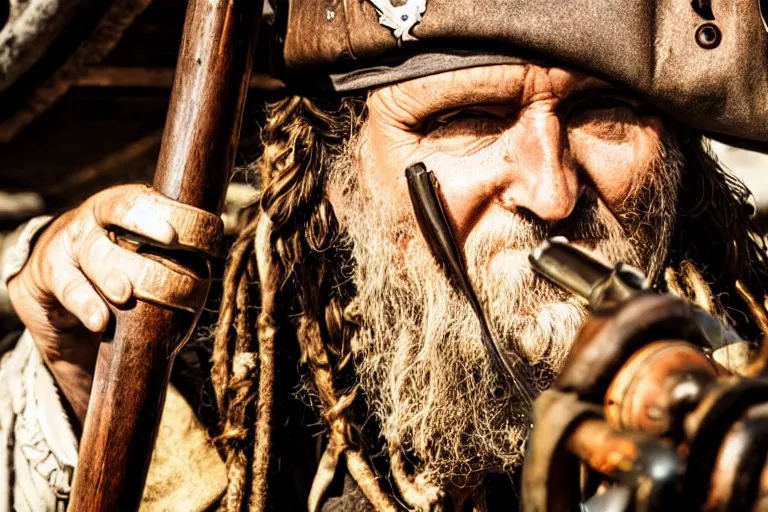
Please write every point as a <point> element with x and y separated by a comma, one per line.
<point>441,93</point>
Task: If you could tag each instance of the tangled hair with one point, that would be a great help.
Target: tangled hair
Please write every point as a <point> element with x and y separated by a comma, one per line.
<point>290,253</point>
<point>717,255</point>
<point>292,235</point>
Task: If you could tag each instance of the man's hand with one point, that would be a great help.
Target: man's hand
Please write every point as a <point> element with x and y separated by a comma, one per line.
<point>75,268</point>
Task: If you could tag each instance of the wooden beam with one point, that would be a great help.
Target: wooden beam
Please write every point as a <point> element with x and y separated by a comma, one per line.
<point>89,173</point>
<point>104,38</point>
<point>158,77</point>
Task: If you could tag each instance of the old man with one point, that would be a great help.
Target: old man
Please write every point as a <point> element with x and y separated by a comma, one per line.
<point>535,122</point>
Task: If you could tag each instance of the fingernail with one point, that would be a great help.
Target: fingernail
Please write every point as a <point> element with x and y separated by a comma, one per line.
<point>145,218</point>
<point>97,321</point>
<point>118,288</point>
<point>166,233</point>
<point>161,231</point>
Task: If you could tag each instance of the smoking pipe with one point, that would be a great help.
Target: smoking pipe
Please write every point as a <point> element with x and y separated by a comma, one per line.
<point>424,191</point>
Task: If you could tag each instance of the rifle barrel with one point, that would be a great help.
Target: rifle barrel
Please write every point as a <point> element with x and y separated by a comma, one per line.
<point>194,167</point>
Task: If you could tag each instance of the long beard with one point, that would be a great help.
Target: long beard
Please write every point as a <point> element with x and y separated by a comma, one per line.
<point>419,354</point>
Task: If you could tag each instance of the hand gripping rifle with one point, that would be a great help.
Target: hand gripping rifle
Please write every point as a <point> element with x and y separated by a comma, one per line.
<point>194,168</point>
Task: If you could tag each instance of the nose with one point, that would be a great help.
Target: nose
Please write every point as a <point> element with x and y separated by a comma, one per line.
<point>541,176</point>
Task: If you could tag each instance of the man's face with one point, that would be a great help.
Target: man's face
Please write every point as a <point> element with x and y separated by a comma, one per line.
<point>506,139</point>
<point>521,153</point>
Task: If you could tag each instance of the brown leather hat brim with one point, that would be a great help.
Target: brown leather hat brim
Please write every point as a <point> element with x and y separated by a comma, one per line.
<point>657,48</point>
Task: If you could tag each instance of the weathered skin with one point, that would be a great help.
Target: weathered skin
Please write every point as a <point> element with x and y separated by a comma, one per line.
<point>533,138</point>
<point>523,131</point>
<point>61,293</point>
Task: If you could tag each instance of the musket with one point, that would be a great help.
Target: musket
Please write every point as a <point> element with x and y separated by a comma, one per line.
<point>194,167</point>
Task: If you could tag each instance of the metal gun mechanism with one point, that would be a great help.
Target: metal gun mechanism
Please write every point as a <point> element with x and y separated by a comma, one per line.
<point>641,417</point>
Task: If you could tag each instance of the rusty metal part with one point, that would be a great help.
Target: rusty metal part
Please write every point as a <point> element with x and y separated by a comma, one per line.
<point>669,388</point>
<point>610,337</point>
<point>677,427</point>
<point>648,467</point>
<point>550,474</point>
<point>736,475</point>
<point>574,430</point>
<point>707,426</point>
<point>658,383</point>
<point>676,430</point>
<point>602,447</point>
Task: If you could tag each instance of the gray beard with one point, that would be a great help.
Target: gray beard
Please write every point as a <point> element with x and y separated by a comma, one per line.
<point>419,354</point>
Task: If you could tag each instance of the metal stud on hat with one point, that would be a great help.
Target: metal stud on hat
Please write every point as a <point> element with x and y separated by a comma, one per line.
<point>400,19</point>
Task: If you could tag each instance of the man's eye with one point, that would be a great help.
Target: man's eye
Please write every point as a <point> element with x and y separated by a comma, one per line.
<point>604,116</point>
<point>461,118</point>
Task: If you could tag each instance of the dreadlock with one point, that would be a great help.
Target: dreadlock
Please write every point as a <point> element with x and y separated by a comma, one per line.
<point>290,248</point>
<point>717,257</point>
<point>292,236</point>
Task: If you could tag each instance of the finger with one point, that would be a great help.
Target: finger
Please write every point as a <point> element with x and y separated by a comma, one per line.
<point>141,210</point>
<point>131,274</point>
<point>105,264</point>
<point>175,286</point>
<point>77,295</point>
<point>133,208</point>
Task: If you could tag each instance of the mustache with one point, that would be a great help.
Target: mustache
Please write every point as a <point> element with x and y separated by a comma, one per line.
<point>585,224</point>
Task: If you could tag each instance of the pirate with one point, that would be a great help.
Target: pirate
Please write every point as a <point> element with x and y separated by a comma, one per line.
<point>349,372</point>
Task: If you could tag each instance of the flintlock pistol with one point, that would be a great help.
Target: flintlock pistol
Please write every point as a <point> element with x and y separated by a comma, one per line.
<point>642,418</point>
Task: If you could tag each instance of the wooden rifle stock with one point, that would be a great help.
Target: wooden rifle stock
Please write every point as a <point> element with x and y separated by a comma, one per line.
<point>194,167</point>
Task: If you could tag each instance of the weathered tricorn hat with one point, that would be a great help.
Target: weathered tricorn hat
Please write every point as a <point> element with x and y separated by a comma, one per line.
<point>703,61</point>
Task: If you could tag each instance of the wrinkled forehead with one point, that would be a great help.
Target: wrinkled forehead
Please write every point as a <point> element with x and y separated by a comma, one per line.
<point>522,82</point>
<point>512,86</point>
<point>434,68</point>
